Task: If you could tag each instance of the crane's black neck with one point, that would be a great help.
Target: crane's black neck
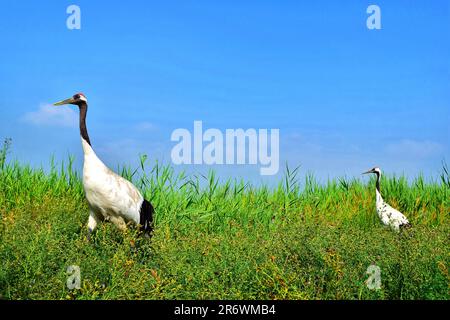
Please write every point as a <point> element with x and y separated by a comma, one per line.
<point>378,181</point>
<point>83,129</point>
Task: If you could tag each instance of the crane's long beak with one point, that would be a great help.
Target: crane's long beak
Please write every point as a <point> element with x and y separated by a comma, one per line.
<point>62,102</point>
<point>370,171</point>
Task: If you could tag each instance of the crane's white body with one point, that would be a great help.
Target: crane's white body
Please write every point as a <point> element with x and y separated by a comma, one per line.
<point>388,215</point>
<point>110,197</point>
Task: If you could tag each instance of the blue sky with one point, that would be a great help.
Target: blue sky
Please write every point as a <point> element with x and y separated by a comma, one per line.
<point>345,98</point>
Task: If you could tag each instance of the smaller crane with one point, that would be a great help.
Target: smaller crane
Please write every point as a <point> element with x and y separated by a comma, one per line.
<point>388,215</point>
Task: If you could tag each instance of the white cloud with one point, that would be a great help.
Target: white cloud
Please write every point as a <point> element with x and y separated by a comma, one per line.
<point>414,148</point>
<point>49,115</point>
<point>145,126</point>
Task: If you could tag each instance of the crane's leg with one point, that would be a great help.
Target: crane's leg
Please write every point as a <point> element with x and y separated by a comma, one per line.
<point>93,220</point>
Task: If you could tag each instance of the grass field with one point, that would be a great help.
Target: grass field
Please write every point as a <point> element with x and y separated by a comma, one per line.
<point>223,240</point>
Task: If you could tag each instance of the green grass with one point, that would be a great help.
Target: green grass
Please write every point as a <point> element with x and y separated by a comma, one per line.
<point>223,240</point>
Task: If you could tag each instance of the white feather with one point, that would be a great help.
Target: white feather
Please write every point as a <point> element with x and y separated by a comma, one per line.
<point>110,196</point>
<point>388,215</point>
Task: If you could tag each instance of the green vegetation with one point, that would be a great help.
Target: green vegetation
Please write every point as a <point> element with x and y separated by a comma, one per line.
<point>223,240</point>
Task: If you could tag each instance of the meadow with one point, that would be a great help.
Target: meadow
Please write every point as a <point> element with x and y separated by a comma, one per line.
<point>218,239</point>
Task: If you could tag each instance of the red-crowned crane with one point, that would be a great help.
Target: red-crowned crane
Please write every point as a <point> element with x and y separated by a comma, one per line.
<point>110,197</point>
<point>388,215</point>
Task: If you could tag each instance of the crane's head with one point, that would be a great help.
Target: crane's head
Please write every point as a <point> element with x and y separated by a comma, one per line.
<point>375,170</point>
<point>77,99</point>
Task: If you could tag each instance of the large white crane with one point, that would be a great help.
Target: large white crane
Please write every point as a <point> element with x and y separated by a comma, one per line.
<point>388,215</point>
<point>110,197</point>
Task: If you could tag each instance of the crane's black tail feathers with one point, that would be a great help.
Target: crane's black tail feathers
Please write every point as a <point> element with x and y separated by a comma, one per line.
<point>146,217</point>
<point>406,230</point>
<point>406,226</point>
